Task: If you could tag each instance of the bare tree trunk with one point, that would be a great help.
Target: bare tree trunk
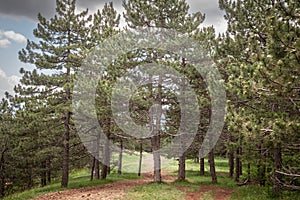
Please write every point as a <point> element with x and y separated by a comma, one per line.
<point>120,158</point>
<point>92,168</point>
<point>106,162</point>
<point>97,169</point>
<point>97,157</point>
<point>237,165</point>
<point>231,164</point>
<point>156,158</point>
<point>155,139</point>
<point>211,161</point>
<point>241,164</point>
<point>141,158</point>
<point>181,167</point>
<point>202,170</point>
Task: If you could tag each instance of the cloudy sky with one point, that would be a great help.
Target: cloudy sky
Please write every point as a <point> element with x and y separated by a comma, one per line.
<point>18,18</point>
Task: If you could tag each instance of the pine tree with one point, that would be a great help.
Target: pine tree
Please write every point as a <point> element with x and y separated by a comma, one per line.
<point>260,54</point>
<point>168,14</point>
<point>62,43</point>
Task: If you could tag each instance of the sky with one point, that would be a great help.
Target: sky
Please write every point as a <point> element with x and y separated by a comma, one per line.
<point>18,18</point>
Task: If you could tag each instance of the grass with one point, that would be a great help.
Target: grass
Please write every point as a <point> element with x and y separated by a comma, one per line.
<point>157,191</point>
<point>78,179</point>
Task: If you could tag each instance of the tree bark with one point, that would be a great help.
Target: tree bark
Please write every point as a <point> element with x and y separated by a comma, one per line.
<point>181,167</point>
<point>106,155</point>
<point>231,164</point>
<point>261,168</point>
<point>2,176</point>
<point>202,170</point>
<point>43,174</point>
<point>155,139</point>
<point>278,166</point>
<point>48,171</point>
<point>92,168</point>
<point>237,165</point>
<point>120,158</point>
<point>249,171</point>
<point>141,158</point>
<point>211,161</point>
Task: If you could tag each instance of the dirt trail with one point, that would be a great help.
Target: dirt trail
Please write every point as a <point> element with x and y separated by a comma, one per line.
<point>118,189</point>
<point>103,192</point>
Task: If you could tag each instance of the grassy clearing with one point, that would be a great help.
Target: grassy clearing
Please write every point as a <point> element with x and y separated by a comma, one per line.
<point>78,179</point>
<point>161,191</point>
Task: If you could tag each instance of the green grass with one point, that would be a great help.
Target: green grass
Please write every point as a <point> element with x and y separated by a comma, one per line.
<point>208,195</point>
<point>78,179</point>
<point>154,191</point>
<point>254,192</point>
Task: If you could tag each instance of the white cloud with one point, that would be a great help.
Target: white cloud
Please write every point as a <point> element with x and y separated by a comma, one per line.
<point>4,43</point>
<point>7,83</point>
<point>7,36</point>
<point>17,37</point>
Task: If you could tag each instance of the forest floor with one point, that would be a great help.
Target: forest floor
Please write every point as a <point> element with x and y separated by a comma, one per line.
<point>118,189</point>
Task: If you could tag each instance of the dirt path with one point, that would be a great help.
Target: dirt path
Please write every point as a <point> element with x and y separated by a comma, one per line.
<point>118,189</point>
<point>103,192</point>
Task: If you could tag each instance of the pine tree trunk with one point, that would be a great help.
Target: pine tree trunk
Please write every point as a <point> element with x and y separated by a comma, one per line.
<point>241,164</point>
<point>120,158</point>
<point>155,139</point>
<point>106,155</point>
<point>261,168</point>
<point>248,171</point>
<point>237,165</point>
<point>65,165</point>
<point>181,167</point>
<point>141,158</point>
<point>43,174</point>
<point>97,163</point>
<point>92,168</point>
<point>211,161</point>
<point>156,158</point>
<point>48,171</point>
<point>67,124</point>
<point>231,164</point>
<point>97,169</point>
<point>2,177</point>
<point>202,170</point>
<point>278,166</point>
